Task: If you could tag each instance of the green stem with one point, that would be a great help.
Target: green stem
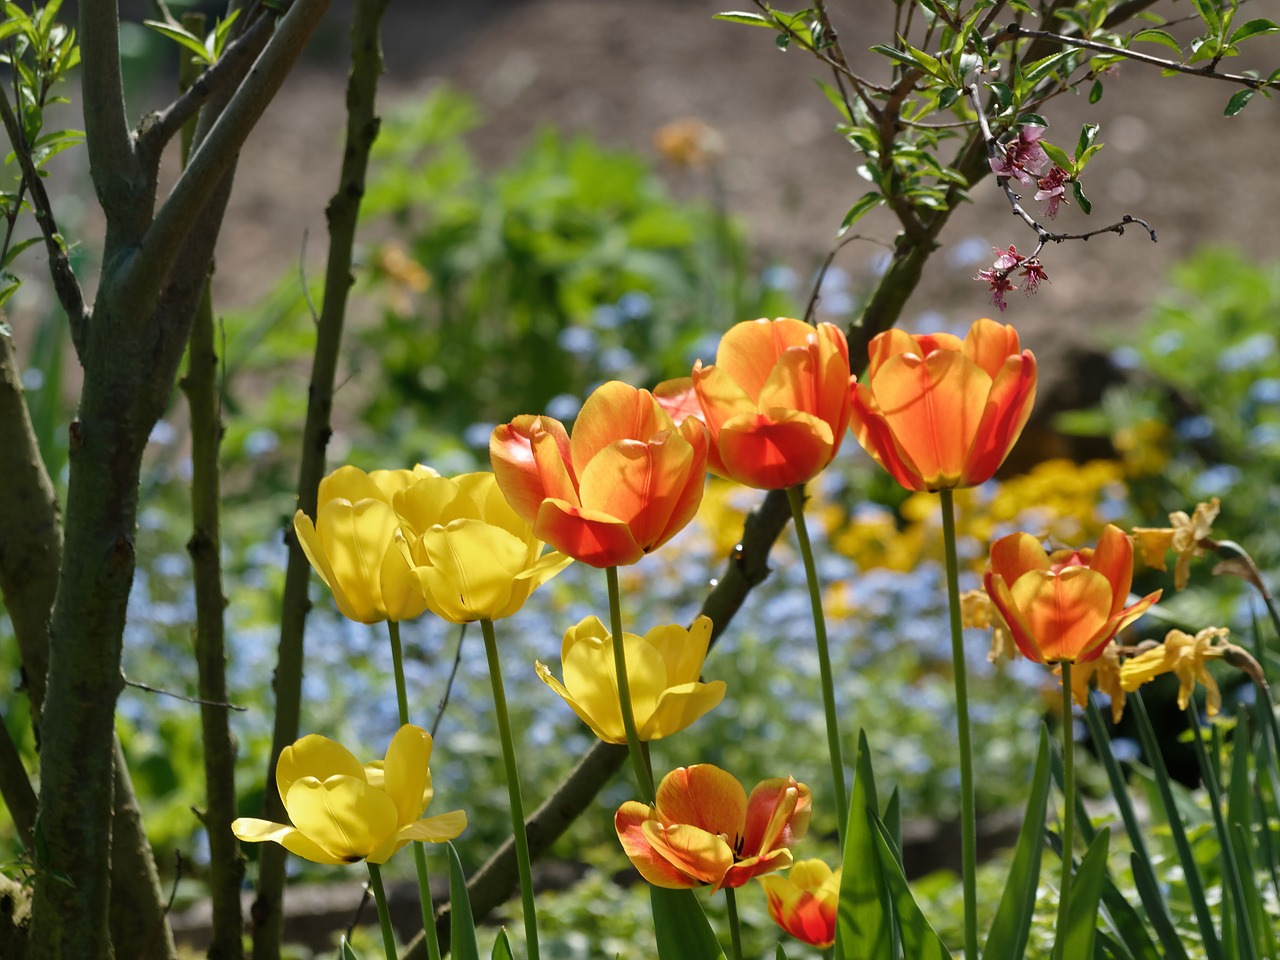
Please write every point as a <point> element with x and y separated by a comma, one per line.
<point>384,915</point>
<point>644,776</point>
<point>513,790</point>
<point>419,853</point>
<point>795,497</point>
<point>1068,813</point>
<point>735,935</point>
<point>968,815</point>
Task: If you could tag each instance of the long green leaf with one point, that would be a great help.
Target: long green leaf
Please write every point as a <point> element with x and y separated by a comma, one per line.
<point>919,940</point>
<point>862,919</point>
<point>462,928</point>
<point>1264,926</point>
<point>1012,923</point>
<point>1086,889</point>
<point>1190,868</point>
<point>1153,898</point>
<point>681,928</point>
<point>502,947</point>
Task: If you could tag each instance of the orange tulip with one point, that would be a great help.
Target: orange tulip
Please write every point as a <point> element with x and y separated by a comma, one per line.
<point>1064,605</point>
<point>628,481</point>
<point>803,903</point>
<point>938,412</point>
<point>704,829</point>
<point>775,402</point>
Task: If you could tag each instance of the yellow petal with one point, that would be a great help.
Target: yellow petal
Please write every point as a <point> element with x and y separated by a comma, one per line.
<point>258,831</point>
<point>682,650</point>
<point>472,568</point>
<point>315,756</point>
<point>345,816</point>
<point>434,501</point>
<point>437,829</point>
<point>680,706</point>
<point>355,537</point>
<point>405,776</point>
<point>611,732</point>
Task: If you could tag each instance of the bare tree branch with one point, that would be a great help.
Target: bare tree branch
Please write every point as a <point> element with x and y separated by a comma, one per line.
<point>15,789</point>
<point>117,175</point>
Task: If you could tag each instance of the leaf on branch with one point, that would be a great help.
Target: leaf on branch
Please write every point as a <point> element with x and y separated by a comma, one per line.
<point>1159,36</point>
<point>183,38</point>
<point>750,19</point>
<point>1095,92</point>
<point>1252,28</point>
<point>1056,154</point>
<point>867,203</point>
<point>1081,199</point>
<point>1088,134</point>
<point>1239,100</point>
<point>1033,118</point>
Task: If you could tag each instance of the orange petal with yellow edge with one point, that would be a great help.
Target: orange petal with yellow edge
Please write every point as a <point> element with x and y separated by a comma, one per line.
<point>629,823</point>
<point>1067,613</point>
<point>705,796</point>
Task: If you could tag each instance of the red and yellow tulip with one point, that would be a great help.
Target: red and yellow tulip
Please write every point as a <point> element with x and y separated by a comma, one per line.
<point>1064,605</point>
<point>628,481</point>
<point>775,402</point>
<point>939,412</point>
<point>804,902</point>
<point>704,829</point>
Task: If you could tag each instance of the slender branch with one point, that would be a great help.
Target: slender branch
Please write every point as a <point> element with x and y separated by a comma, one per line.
<point>220,704</point>
<point>65,284</point>
<point>216,154</point>
<point>861,86</point>
<point>448,686</point>
<point>342,213</point>
<point>159,128</point>
<point>117,175</point>
<point>816,293</point>
<point>15,788</point>
<point>1253,83</point>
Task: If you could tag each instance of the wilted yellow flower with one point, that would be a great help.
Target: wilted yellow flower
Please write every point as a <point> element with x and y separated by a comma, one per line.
<point>472,556</point>
<point>344,811</point>
<point>1182,536</point>
<point>689,142</point>
<point>1105,673</point>
<point>662,672</point>
<point>353,544</point>
<point>1185,656</point>
<point>977,611</point>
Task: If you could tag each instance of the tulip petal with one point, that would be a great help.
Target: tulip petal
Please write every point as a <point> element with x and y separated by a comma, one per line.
<point>720,397</point>
<point>691,850</point>
<point>615,411</point>
<point>519,473</point>
<point>472,566</point>
<point>682,650</point>
<point>1016,554</point>
<point>344,815</point>
<point>402,595</point>
<point>434,501</point>
<point>678,398</point>
<point>873,435</point>
<point>1113,558</point>
<point>679,706</point>
<point>990,344</point>
<point>778,812</point>
<point>251,830</point>
<point>1013,394</point>
<point>998,590</point>
<point>355,538</point>
<point>889,344</point>
<point>749,351</point>
<point>315,756</point>
<point>776,451</point>
<point>642,484</point>
<point>590,536</point>
<point>629,823</point>
<point>704,796</point>
<point>1067,614</point>
<point>404,772</point>
<point>608,732</point>
<point>590,674</point>
<point>744,870</point>
<point>309,540</point>
<point>349,483</point>
<point>437,829</point>
<point>482,487</point>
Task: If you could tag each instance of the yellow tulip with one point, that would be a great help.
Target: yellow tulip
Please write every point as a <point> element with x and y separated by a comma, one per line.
<point>344,811</point>
<point>471,554</point>
<point>353,544</point>
<point>662,667</point>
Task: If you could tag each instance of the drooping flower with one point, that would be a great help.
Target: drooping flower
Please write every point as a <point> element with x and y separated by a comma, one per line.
<point>977,611</point>
<point>775,402</point>
<point>628,481</point>
<point>1064,605</point>
<point>343,811</point>
<point>1022,157</point>
<point>1182,536</point>
<point>703,829</point>
<point>938,412</point>
<point>473,556</point>
<point>804,902</point>
<point>1052,187</point>
<point>1000,284</point>
<point>1184,656</point>
<point>1033,274</point>
<point>662,670</point>
<point>1104,671</point>
<point>354,544</point>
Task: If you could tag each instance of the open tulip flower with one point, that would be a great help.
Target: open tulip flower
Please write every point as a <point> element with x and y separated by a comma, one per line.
<point>628,481</point>
<point>473,557</point>
<point>703,829</point>
<point>939,412</point>
<point>775,402</point>
<point>662,667</point>
<point>803,902</point>
<point>1064,605</point>
<point>353,544</point>
<point>344,811</point>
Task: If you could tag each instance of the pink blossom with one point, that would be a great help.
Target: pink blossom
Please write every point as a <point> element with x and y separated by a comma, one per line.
<point>1000,285</point>
<point>1034,273</point>
<point>1053,188</point>
<point>1006,260</point>
<point>1024,159</point>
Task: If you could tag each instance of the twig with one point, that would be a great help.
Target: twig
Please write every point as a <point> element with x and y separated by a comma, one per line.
<point>64,279</point>
<point>15,788</point>
<point>365,895</point>
<point>181,696</point>
<point>861,85</point>
<point>1014,31</point>
<point>815,294</point>
<point>448,687</point>
<point>302,278</point>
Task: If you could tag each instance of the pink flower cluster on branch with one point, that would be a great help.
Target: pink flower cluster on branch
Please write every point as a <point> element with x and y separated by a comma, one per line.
<point>1030,269</point>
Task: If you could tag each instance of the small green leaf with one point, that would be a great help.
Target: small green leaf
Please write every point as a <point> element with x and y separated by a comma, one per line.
<point>1160,36</point>
<point>347,952</point>
<point>865,205</point>
<point>1252,28</point>
<point>1208,11</point>
<point>680,927</point>
<point>188,40</point>
<point>16,249</point>
<point>893,53</point>
<point>462,928</point>
<point>1081,199</point>
<point>1056,154</point>
<point>780,954</point>
<point>1004,96</point>
<point>947,96</point>
<point>502,947</point>
<point>1088,134</point>
<point>1084,158</point>
<point>1095,92</point>
<point>782,40</point>
<point>1082,923</point>
<point>1042,68</point>
<point>750,19</point>
<point>1033,118</point>
<point>1239,100</point>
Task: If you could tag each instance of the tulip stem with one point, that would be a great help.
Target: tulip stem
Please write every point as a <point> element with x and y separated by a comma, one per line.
<point>644,776</point>
<point>795,497</point>
<point>968,815</point>
<point>419,854</point>
<point>1068,812</point>
<point>735,935</point>
<point>519,835</point>
<point>384,915</point>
